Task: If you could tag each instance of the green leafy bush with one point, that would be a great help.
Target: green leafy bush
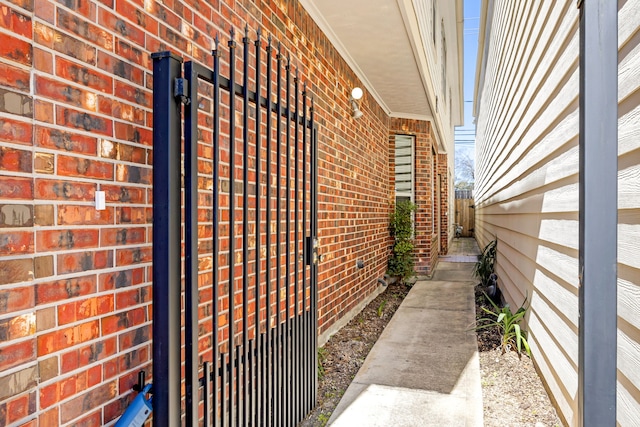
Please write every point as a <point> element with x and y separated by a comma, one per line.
<point>401,262</point>
<point>513,337</point>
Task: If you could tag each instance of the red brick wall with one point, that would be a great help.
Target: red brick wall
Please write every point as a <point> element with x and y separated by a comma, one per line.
<point>75,117</point>
<point>425,185</point>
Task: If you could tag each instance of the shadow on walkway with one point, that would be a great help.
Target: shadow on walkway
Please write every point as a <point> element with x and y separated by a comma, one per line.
<point>423,370</point>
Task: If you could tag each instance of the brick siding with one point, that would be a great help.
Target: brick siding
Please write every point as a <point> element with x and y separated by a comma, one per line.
<point>425,185</point>
<point>75,117</point>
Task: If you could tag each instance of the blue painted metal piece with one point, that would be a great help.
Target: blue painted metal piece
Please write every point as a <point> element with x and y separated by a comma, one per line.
<point>138,411</point>
<point>597,352</point>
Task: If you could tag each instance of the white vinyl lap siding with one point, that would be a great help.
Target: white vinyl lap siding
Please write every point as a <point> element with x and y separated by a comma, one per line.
<point>527,185</point>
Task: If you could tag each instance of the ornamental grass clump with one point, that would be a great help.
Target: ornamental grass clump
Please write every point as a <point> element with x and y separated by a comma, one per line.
<point>483,269</point>
<point>508,323</point>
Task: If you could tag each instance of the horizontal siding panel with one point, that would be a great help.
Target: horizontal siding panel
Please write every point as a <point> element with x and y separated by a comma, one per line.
<point>629,245</point>
<point>629,353</point>
<point>544,147</point>
<point>562,265</point>
<point>523,16</point>
<point>628,409</point>
<point>525,178</point>
<point>629,188</point>
<point>563,330</point>
<point>564,337</point>
<point>629,129</point>
<point>555,231</point>
<point>561,378</point>
<point>547,120</point>
<point>562,200</point>
<point>565,299</point>
<point>549,79</point>
<point>628,22</point>
<point>629,73</point>
<point>629,295</point>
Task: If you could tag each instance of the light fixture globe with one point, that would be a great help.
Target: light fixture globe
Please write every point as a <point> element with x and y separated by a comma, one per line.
<point>356,93</point>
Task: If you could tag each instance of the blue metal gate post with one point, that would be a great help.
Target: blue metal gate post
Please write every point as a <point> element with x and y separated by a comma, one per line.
<point>166,237</point>
<point>598,212</point>
<point>191,370</point>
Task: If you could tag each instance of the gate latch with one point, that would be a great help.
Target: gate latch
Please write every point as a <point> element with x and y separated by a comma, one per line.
<point>311,251</point>
<point>180,90</point>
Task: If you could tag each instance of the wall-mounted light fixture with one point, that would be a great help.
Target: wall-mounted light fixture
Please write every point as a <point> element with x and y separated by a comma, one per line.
<point>356,94</point>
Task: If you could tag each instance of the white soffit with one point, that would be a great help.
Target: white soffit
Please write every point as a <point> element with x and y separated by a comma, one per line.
<point>372,37</point>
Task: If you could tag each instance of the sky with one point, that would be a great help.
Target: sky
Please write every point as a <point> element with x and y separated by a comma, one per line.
<point>465,135</point>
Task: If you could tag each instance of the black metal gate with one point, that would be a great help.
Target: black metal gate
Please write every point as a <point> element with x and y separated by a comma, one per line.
<point>235,204</point>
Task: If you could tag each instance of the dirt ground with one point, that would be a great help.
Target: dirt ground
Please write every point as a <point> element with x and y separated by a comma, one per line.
<point>512,392</point>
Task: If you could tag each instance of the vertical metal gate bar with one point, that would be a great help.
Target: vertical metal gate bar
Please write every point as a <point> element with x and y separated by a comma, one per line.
<point>269,331</point>
<point>245,226</point>
<point>224,402</point>
<point>232,210</point>
<point>166,238</point>
<point>206,392</point>
<point>191,248</point>
<point>296,239</point>
<point>287,281</point>
<point>250,383</point>
<point>258,336</point>
<point>305,323</point>
<point>216,226</point>
<point>278,342</point>
<point>314,266</point>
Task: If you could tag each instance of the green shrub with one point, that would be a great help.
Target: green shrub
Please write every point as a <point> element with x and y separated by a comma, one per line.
<point>401,262</point>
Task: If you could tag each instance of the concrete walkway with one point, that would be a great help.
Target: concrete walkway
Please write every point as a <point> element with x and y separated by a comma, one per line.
<point>423,370</point>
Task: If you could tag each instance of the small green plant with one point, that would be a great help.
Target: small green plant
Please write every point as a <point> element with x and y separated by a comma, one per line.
<point>509,325</point>
<point>323,419</point>
<point>322,356</point>
<point>483,269</point>
<point>401,262</point>
<point>381,307</point>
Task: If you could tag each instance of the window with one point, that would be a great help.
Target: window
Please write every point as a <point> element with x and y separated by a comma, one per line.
<point>404,167</point>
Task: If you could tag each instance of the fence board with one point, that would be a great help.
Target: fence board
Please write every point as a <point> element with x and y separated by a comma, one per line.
<point>465,216</point>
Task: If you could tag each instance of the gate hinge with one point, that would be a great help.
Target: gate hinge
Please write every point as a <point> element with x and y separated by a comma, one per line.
<point>180,90</point>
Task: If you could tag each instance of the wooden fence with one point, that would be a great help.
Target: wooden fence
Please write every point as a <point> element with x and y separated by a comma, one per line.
<point>465,215</point>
